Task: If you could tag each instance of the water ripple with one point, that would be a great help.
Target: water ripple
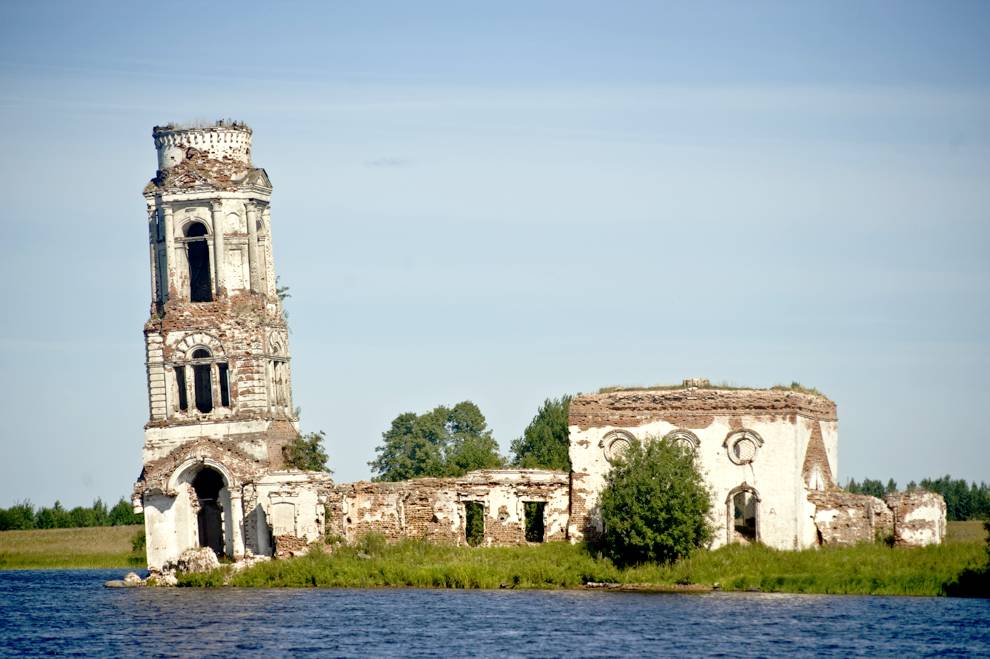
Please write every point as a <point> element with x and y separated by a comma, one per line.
<point>69,612</point>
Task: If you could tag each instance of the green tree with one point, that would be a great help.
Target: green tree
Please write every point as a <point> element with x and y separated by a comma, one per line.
<point>655,505</point>
<point>122,514</point>
<point>446,441</point>
<point>306,452</point>
<point>20,516</point>
<point>545,442</point>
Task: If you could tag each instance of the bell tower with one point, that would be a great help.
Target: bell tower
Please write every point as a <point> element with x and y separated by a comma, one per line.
<point>217,343</point>
<point>217,354</point>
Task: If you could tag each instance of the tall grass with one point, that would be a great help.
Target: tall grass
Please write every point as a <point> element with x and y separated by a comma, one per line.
<point>864,569</point>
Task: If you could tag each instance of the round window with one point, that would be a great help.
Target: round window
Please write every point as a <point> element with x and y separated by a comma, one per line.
<point>742,446</point>
<point>615,444</point>
<point>684,439</point>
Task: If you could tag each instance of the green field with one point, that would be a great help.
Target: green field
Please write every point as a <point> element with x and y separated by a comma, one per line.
<point>864,569</point>
<point>970,531</point>
<point>95,547</point>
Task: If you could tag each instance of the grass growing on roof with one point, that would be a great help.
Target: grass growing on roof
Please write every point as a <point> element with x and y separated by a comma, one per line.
<point>725,386</point>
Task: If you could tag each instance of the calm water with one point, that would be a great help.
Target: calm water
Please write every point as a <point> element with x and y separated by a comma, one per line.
<point>69,612</point>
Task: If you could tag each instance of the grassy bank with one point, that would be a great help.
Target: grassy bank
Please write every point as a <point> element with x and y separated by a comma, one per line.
<point>864,569</point>
<point>95,547</point>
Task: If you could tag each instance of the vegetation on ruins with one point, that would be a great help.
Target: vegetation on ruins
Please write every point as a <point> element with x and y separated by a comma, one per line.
<point>689,384</point>
<point>655,505</point>
<point>23,516</point>
<point>963,501</point>
<point>306,452</point>
<point>545,442</point>
<point>446,441</point>
<point>866,569</point>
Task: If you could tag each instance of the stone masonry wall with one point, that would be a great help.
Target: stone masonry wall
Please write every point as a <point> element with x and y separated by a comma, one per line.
<point>911,519</point>
<point>842,518</point>
<point>434,508</point>
<point>919,517</point>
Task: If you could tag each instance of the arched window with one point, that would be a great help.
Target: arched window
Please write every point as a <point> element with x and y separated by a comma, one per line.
<point>208,382</point>
<point>202,382</point>
<point>743,514</point>
<point>200,283</point>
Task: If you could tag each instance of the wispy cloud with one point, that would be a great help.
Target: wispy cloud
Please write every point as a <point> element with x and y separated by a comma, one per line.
<point>388,161</point>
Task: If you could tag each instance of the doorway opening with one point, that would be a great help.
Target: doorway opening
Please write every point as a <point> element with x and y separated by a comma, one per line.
<point>474,522</point>
<point>207,485</point>
<point>743,509</point>
<point>533,512</point>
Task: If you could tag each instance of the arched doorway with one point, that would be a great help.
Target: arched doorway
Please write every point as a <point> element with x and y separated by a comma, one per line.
<point>207,485</point>
<point>742,515</point>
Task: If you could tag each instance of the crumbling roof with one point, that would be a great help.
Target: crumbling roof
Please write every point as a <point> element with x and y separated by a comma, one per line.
<point>198,170</point>
<point>632,408</point>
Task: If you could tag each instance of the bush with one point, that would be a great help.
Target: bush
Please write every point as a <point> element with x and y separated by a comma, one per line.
<point>655,505</point>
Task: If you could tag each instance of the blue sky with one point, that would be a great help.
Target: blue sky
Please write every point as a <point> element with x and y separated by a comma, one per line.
<point>504,203</point>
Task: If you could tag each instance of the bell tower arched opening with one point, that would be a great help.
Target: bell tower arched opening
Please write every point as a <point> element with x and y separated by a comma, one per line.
<point>200,283</point>
<point>202,382</point>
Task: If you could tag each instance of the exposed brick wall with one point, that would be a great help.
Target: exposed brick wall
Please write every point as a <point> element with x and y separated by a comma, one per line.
<point>433,508</point>
<point>843,518</point>
<point>816,456</point>
<point>915,518</point>
<point>692,408</point>
<point>919,517</point>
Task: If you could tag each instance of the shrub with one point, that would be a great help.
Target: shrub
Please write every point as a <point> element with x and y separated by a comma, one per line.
<point>655,505</point>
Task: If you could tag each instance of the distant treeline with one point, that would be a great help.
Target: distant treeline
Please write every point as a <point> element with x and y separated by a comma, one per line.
<point>963,501</point>
<point>22,516</point>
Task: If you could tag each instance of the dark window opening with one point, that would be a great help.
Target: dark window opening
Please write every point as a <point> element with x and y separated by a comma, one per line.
<point>224,385</point>
<point>200,286</point>
<point>207,485</point>
<point>195,230</point>
<point>474,522</point>
<point>535,530</point>
<point>202,385</point>
<point>180,380</point>
<point>744,516</point>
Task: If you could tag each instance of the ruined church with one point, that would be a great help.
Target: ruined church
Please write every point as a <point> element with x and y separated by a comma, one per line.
<point>220,412</point>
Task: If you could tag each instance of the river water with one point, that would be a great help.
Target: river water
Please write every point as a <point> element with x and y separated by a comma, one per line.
<point>70,612</point>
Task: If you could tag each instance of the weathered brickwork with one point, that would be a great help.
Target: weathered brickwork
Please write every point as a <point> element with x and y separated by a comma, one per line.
<point>842,518</point>
<point>434,508</point>
<point>919,517</point>
<point>693,407</point>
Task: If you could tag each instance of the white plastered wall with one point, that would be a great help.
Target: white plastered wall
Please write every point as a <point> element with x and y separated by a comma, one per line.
<point>785,520</point>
